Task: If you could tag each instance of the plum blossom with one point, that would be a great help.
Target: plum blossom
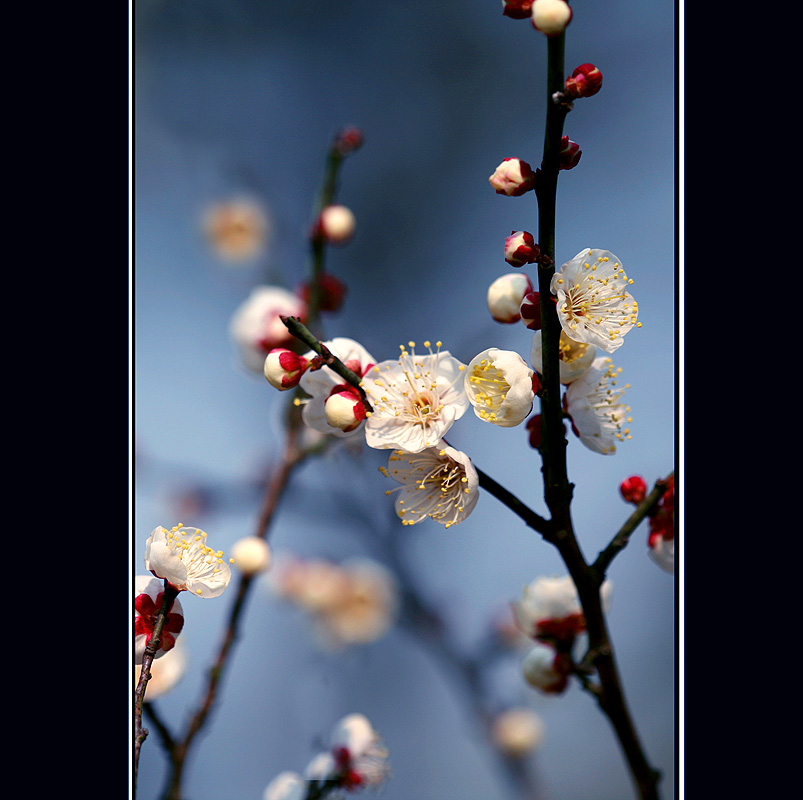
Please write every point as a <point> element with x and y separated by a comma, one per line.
<point>593,302</point>
<point>521,249</point>
<point>439,482</point>
<point>661,540</point>
<point>596,409</point>
<point>182,557</point>
<point>551,16</point>
<point>256,327</point>
<point>356,757</point>
<point>499,386</point>
<point>251,555</point>
<point>287,785</point>
<point>513,177</point>
<point>415,399</point>
<point>550,610</point>
<point>148,598</point>
<point>574,358</point>
<point>237,229</point>
<point>322,383</point>
<point>517,732</point>
<point>335,224</point>
<point>283,368</point>
<point>505,295</point>
<point>546,669</point>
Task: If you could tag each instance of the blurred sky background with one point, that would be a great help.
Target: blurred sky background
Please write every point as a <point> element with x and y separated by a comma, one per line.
<point>241,98</point>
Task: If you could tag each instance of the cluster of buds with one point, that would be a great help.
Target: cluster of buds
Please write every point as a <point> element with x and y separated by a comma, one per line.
<point>661,539</point>
<point>350,603</point>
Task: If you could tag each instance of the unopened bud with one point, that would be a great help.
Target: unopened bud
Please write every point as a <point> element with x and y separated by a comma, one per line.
<point>505,295</point>
<point>551,16</point>
<point>518,731</point>
<point>284,368</point>
<point>530,310</point>
<point>344,409</point>
<point>585,81</point>
<point>520,249</point>
<point>332,294</point>
<point>633,489</point>
<point>546,670</point>
<point>517,9</point>
<point>513,177</point>
<point>335,224</point>
<point>251,555</point>
<point>348,139</point>
<point>570,153</point>
<point>533,426</point>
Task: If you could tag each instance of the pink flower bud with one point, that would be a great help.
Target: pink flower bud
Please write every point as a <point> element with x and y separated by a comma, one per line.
<point>520,249</point>
<point>505,295</point>
<point>343,408</point>
<point>284,368</point>
<point>513,177</point>
<point>517,9</point>
<point>570,153</point>
<point>335,224</point>
<point>348,139</point>
<point>551,16</point>
<point>586,80</point>
<point>633,489</point>
<point>333,292</point>
<point>530,311</point>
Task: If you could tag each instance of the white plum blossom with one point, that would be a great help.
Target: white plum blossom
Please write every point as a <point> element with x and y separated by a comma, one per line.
<point>518,731</point>
<point>593,302</point>
<point>439,482</point>
<point>505,295</point>
<point>256,327</point>
<point>251,555</point>
<point>287,785</point>
<point>148,597</point>
<point>596,409</point>
<point>574,358</point>
<point>182,557</point>
<point>499,386</point>
<point>237,229</point>
<point>551,16</point>
<point>336,224</point>
<point>320,384</point>
<point>550,607</point>
<point>415,399</point>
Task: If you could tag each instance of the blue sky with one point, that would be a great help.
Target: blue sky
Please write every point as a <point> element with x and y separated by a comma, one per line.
<point>235,98</point>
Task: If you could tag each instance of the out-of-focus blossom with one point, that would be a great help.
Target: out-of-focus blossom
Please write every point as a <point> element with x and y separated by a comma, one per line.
<point>534,435</point>
<point>356,759</point>
<point>593,301</point>
<point>518,731</point>
<point>283,368</point>
<point>237,229</point>
<point>355,602</point>
<point>416,399</point>
<point>287,785</point>
<point>596,409</point>
<point>633,489</point>
<point>335,224</point>
<point>550,610</point>
<point>256,327</point>
<point>661,540</point>
<point>348,139</point>
<point>499,385</point>
<point>546,669</point>
<point>148,598</point>
<point>321,383</point>
<point>513,177</point>
<point>505,295</point>
<point>585,81</point>
<point>574,358</point>
<point>570,153</point>
<point>551,16</point>
<point>521,249</point>
<point>251,555</point>
<point>182,557</point>
<point>439,482</point>
<point>517,9</point>
<point>165,672</point>
<point>332,292</point>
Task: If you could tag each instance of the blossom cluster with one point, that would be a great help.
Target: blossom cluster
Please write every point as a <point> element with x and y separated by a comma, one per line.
<point>550,614</point>
<point>355,759</point>
<point>353,602</point>
<point>661,538</point>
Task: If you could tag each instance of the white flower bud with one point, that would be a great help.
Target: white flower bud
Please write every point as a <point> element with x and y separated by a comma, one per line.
<point>545,670</point>
<point>336,224</point>
<point>551,16</point>
<point>251,555</point>
<point>344,410</point>
<point>518,731</point>
<point>505,295</point>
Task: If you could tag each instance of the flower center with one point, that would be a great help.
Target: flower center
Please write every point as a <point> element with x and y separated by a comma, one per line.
<point>490,386</point>
<point>570,351</point>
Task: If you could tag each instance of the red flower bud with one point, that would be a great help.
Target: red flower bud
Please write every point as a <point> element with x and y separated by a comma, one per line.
<point>633,489</point>
<point>570,153</point>
<point>533,425</point>
<point>517,9</point>
<point>586,80</point>
<point>520,249</point>
<point>530,311</point>
<point>348,140</point>
<point>333,292</point>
